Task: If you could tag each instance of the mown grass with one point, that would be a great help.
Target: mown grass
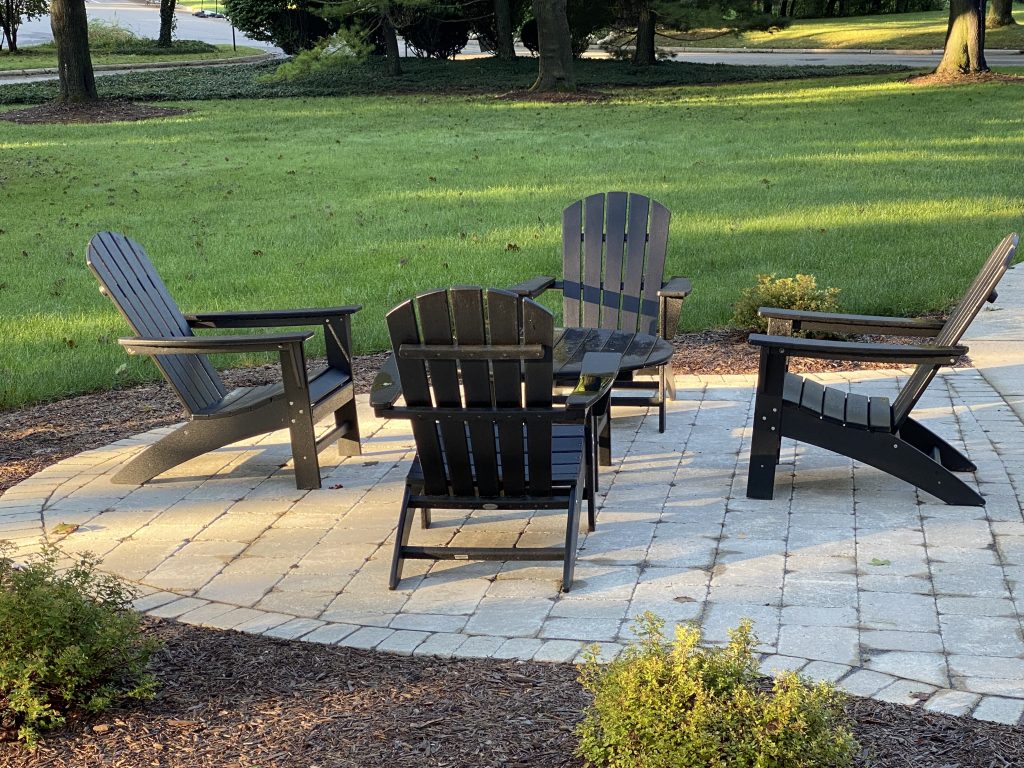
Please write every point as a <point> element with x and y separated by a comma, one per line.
<point>908,31</point>
<point>41,56</point>
<point>306,202</point>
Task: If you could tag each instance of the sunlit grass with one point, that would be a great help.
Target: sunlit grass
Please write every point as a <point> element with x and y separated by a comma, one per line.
<point>892,192</point>
<point>925,30</point>
<point>42,56</point>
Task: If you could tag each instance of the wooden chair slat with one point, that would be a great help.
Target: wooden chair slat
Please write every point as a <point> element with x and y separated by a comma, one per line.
<point>835,405</point>
<point>615,243</point>
<point>857,411</point>
<point>505,328</point>
<point>633,270</point>
<point>654,268</point>
<point>538,325</point>
<point>572,275</point>
<point>593,251</point>
<point>812,396</point>
<point>879,414</point>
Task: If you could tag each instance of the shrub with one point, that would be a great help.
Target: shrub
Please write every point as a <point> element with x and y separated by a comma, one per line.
<point>665,705</point>
<point>800,292</point>
<point>68,639</point>
<point>111,37</point>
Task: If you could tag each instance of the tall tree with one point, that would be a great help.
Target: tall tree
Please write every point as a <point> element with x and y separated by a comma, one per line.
<point>70,27</point>
<point>965,39</point>
<point>1000,14</point>
<point>505,47</point>
<point>167,23</point>
<point>554,46</point>
<point>11,14</point>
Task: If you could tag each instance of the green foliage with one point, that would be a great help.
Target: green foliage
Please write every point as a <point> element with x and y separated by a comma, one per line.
<point>107,37</point>
<point>585,17</point>
<point>293,26</point>
<point>338,75</point>
<point>13,12</point>
<point>662,705</point>
<point>800,292</point>
<point>69,639</point>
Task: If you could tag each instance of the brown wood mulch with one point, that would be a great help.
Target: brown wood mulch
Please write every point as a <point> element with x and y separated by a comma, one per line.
<point>950,78</point>
<point>229,700</point>
<point>102,111</point>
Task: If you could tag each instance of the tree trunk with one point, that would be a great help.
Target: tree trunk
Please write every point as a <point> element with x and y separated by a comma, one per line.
<point>391,55</point>
<point>70,28</point>
<point>1000,14</point>
<point>766,7</point>
<point>965,39</point>
<point>645,54</point>
<point>10,26</point>
<point>830,7</point>
<point>782,9</point>
<point>505,45</point>
<point>166,23</point>
<point>554,45</point>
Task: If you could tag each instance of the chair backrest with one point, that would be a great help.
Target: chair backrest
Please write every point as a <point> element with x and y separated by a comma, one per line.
<point>498,347</point>
<point>982,289</point>
<point>613,254</point>
<point>129,279</point>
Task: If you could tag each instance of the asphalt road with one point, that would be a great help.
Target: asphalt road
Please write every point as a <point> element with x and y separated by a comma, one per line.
<point>144,19</point>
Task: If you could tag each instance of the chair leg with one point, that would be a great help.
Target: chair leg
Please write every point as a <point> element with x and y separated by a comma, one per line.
<point>931,444</point>
<point>604,435</point>
<point>591,491</point>
<point>571,536</point>
<point>307,463</point>
<point>766,441</point>
<point>661,399</point>
<point>401,540</point>
<point>348,444</point>
<point>764,458</point>
<point>188,441</point>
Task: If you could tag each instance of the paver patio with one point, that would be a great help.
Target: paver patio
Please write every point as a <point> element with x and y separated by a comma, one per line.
<point>849,575</point>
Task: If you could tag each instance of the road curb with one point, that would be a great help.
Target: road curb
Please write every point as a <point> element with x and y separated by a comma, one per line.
<point>128,67</point>
<point>832,51</point>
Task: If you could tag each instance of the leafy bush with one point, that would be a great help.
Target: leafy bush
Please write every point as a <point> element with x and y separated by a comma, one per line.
<point>68,639</point>
<point>800,292</point>
<point>111,37</point>
<point>293,26</point>
<point>665,705</point>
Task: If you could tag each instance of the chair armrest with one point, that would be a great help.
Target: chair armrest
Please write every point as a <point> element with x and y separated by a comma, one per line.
<point>387,387</point>
<point>533,287</point>
<point>807,320</point>
<point>598,373</point>
<point>268,342</point>
<point>846,350</point>
<point>270,318</point>
<point>676,288</point>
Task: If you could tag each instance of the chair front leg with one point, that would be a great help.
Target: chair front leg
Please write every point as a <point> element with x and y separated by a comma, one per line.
<point>767,434</point>
<point>300,417</point>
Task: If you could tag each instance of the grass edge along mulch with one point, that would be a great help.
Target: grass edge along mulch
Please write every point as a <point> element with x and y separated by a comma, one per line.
<point>230,699</point>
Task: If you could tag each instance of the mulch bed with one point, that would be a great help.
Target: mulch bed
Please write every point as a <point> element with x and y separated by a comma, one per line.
<point>935,78</point>
<point>103,111</point>
<point>228,699</point>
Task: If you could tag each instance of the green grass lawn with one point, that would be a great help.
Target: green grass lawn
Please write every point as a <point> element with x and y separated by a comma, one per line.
<point>892,192</point>
<point>904,31</point>
<point>39,56</point>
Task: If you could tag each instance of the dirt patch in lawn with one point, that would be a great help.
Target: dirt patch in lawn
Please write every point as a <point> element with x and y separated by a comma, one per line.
<point>102,111</point>
<point>231,699</point>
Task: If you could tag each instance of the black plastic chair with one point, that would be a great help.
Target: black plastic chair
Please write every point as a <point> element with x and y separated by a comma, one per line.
<point>218,417</point>
<point>474,367</point>
<point>868,429</point>
<point>613,260</point>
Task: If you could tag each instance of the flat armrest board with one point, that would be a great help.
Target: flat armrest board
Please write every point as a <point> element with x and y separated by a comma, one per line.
<point>271,342</point>
<point>809,320</point>
<point>598,373</point>
<point>676,288</point>
<point>387,387</point>
<point>533,287</point>
<point>845,350</point>
<point>267,318</point>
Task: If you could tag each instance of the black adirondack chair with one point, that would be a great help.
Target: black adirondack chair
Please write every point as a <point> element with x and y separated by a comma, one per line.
<point>218,417</point>
<point>613,261</point>
<point>868,429</point>
<point>474,366</point>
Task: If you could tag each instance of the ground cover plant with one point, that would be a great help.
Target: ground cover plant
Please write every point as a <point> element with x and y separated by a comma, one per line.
<point>69,640</point>
<point>907,31</point>
<point>45,55</point>
<point>358,200</point>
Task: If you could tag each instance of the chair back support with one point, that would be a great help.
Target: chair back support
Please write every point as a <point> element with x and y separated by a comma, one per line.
<point>129,279</point>
<point>982,289</point>
<point>491,436</point>
<point>613,253</point>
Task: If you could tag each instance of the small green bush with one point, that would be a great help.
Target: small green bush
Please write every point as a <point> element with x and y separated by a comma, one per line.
<point>800,292</point>
<point>675,705</point>
<point>68,639</point>
<point>111,37</point>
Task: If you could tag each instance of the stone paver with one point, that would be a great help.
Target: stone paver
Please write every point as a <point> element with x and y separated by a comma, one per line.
<point>848,575</point>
